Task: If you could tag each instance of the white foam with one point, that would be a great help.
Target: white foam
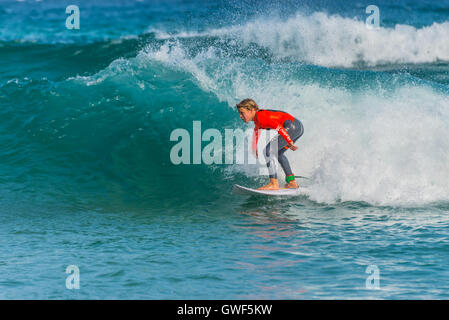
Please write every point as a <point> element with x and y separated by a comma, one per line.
<point>173,54</point>
<point>332,40</point>
<point>383,149</point>
<point>386,150</point>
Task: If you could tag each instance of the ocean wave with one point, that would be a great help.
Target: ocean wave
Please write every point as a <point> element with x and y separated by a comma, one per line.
<point>382,141</point>
<point>369,136</point>
<point>335,41</point>
<point>104,135</point>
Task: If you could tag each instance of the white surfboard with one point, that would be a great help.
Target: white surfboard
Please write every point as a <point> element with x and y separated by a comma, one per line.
<point>280,192</point>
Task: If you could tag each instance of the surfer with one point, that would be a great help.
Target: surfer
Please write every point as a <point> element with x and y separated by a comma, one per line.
<point>289,128</point>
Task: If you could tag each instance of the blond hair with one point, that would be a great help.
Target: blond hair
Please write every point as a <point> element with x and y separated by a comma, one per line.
<point>249,104</point>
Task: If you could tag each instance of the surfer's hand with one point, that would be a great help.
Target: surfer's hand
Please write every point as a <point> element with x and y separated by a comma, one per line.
<point>293,147</point>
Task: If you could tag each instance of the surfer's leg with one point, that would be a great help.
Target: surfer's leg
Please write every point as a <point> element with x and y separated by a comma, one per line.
<point>270,153</point>
<point>283,161</point>
<point>295,130</point>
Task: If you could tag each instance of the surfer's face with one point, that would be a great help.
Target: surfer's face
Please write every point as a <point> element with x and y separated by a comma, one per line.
<point>246,115</point>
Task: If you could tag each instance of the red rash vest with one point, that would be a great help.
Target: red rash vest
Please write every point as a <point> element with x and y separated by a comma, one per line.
<point>271,119</point>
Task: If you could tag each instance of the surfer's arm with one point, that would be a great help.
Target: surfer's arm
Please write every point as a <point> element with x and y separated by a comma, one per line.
<point>284,134</point>
<point>255,139</point>
<point>281,130</point>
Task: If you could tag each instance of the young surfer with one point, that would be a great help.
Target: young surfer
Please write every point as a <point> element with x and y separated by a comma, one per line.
<point>289,128</point>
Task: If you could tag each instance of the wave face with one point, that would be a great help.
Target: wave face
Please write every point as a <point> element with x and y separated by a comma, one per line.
<point>88,119</point>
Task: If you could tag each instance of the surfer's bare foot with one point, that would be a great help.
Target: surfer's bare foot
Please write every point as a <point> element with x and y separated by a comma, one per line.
<point>273,185</point>
<point>292,185</point>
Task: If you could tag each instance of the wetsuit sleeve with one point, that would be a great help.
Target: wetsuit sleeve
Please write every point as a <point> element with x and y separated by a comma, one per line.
<point>255,137</point>
<point>280,129</point>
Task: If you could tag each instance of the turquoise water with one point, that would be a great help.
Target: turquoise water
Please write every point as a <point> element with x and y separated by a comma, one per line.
<point>86,176</point>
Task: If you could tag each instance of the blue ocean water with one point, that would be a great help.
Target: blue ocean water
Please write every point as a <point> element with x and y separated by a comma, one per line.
<point>87,178</point>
